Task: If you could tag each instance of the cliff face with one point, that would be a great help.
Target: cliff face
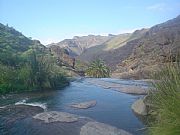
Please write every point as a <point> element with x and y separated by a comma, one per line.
<point>155,48</point>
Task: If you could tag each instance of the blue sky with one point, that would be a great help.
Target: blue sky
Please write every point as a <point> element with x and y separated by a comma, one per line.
<point>54,20</point>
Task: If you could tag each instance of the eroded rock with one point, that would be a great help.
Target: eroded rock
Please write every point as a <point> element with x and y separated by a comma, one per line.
<point>139,107</point>
<point>84,105</point>
<point>54,116</point>
<point>96,128</point>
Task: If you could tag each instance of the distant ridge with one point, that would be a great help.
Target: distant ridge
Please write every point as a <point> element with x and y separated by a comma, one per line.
<point>78,44</point>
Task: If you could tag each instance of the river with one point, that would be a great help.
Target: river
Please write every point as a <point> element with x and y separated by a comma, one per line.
<point>113,107</point>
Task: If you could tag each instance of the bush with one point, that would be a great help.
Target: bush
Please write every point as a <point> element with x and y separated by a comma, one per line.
<point>166,102</point>
<point>38,71</point>
<point>98,69</point>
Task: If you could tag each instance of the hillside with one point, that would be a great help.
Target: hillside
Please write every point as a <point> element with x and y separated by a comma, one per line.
<point>78,44</point>
<point>113,51</point>
<point>156,47</point>
<point>26,64</point>
<point>10,38</point>
<point>93,52</point>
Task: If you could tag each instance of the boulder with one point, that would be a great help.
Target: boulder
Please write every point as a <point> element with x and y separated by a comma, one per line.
<point>139,107</point>
<point>96,128</point>
<point>84,105</point>
<point>54,116</point>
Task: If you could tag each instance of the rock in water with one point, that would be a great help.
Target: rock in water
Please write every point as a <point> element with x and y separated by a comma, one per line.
<point>139,107</point>
<point>54,116</point>
<point>96,128</point>
<point>84,105</point>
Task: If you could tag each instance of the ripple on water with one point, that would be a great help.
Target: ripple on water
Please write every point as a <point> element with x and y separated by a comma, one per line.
<point>38,104</point>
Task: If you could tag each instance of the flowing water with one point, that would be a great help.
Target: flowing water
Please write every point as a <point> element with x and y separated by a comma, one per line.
<point>113,108</point>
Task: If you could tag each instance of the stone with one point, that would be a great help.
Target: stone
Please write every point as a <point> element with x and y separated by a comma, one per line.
<point>139,107</point>
<point>97,128</point>
<point>54,116</point>
<point>14,113</point>
<point>84,105</point>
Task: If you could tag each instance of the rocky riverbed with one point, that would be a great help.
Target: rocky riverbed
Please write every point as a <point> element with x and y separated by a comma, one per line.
<point>53,122</point>
<point>81,108</point>
<point>121,87</point>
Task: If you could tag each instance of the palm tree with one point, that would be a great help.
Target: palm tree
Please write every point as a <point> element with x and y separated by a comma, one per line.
<point>98,69</point>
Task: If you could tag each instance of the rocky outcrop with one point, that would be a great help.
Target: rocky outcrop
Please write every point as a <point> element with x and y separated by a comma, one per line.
<point>96,128</point>
<point>139,107</point>
<point>54,116</point>
<point>62,56</point>
<point>84,105</point>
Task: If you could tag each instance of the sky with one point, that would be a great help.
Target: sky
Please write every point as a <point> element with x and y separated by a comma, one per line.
<point>54,20</point>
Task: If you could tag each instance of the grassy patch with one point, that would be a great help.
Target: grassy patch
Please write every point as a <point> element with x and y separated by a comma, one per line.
<point>166,102</point>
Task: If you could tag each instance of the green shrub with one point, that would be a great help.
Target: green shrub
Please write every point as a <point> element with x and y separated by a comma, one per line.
<point>166,102</point>
<point>38,71</point>
<point>98,69</point>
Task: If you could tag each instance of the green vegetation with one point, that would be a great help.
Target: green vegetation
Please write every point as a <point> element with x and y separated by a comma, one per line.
<point>166,102</point>
<point>117,41</point>
<point>26,64</point>
<point>80,65</point>
<point>98,69</point>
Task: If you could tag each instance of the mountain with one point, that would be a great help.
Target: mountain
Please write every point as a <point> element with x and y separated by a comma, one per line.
<point>10,38</point>
<point>157,46</point>
<point>78,44</point>
<point>13,44</point>
<point>113,51</point>
<point>92,53</point>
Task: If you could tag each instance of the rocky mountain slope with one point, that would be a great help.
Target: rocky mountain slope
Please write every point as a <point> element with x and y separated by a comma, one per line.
<point>78,44</point>
<point>130,54</point>
<point>113,51</point>
<point>157,46</point>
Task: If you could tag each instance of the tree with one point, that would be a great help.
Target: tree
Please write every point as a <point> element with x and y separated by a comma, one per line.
<point>98,69</point>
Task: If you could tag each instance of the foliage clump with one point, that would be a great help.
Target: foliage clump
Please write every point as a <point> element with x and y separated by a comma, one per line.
<point>166,102</point>
<point>38,71</point>
<point>98,69</point>
<point>26,64</point>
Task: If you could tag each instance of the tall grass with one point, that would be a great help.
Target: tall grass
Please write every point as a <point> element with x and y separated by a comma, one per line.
<point>166,101</point>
